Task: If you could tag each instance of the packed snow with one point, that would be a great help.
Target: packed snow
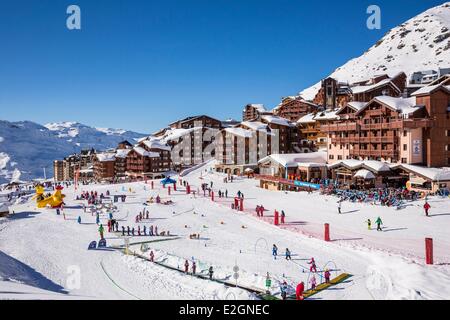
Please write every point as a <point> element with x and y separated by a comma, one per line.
<point>384,265</point>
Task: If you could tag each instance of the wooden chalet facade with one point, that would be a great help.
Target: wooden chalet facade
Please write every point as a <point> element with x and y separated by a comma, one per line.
<point>293,108</point>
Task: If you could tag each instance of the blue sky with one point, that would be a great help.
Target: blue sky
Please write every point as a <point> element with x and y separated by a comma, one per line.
<point>140,65</point>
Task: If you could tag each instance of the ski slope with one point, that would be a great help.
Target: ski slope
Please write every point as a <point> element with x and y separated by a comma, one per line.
<point>384,265</point>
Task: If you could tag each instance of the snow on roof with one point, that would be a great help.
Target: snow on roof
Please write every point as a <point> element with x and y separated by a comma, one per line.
<point>434,174</point>
<point>103,157</point>
<point>365,174</point>
<point>122,153</point>
<point>257,106</point>
<point>429,89</point>
<point>146,153</point>
<point>254,125</point>
<point>308,118</point>
<point>327,115</point>
<point>277,120</point>
<point>296,159</point>
<point>402,105</point>
<point>377,166</point>
<point>361,89</point>
<point>356,105</point>
<point>240,132</point>
<point>156,144</point>
<point>175,134</point>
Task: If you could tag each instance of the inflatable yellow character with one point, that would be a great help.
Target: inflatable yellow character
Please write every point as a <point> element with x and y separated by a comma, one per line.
<point>54,201</point>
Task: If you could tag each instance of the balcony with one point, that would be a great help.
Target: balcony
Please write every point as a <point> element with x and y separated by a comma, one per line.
<point>339,127</point>
<point>374,153</point>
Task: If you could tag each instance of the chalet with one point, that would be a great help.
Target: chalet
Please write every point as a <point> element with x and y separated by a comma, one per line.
<point>294,107</point>
<point>310,127</point>
<point>149,159</point>
<point>104,166</point>
<point>394,129</point>
<point>381,85</point>
<point>252,111</point>
<point>332,94</point>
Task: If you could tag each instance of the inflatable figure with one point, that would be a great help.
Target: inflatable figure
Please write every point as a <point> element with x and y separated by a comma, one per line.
<point>54,201</point>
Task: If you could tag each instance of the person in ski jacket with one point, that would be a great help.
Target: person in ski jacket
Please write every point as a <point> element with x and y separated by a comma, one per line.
<point>274,251</point>
<point>339,206</point>
<point>100,230</point>
<point>313,265</point>
<point>369,224</point>
<point>379,223</point>
<point>211,272</point>
<point>288,254</point>
<point>123,231</point>
<point>299,291</point>
<point>426,207</point>
<point>283,289</point>
<point>194,267</point>
<point>313,282</point>
<point>109,225</point>
<point>283,215</point>
<point>97,219</point>
<point>327,275</point>
<point>79,219</point>
<point>186,266</point>
<point>152,256</point>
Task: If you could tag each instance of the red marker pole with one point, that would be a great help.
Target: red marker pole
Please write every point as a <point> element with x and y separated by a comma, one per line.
<point>327,232</point>
<point>174,186</point>
<point>241,207</point>
<point>152,184</point>
<point>212,196</point>
<point>168,190</point>
<point>429,250</point>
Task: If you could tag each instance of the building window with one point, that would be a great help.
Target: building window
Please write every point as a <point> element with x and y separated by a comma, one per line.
<point>331,157</point>
<point>405,133</point>
<point>404,160</point>
<point>405,147</point>
<point>339,157</point>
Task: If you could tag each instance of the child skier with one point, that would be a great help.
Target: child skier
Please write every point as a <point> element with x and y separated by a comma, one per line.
<point>152,256</point>
<point>211,272</point>
<point>379,223</point>
<point>100,230</point>
<point>283,289</point>
<point>274,252</point>
<point>369,224</point>
<point>186,266</point>
<point>313,282</point>
<point>79,219</point>
<point>313,265</point>
<point>339,206</point>
<point>327,275</point>
<point>123,231</point>
<point>288,254</point>
<point>194,267</point>
<point>426,207</point>
<point>299,291</point>
<point>283,215</point>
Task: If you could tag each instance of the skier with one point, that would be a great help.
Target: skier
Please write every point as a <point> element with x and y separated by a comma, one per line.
<point>132,231</point>
<point>139,230</point>
<point>186,266</point>
<point>145,230</point>
<point>79,219</point>
<point>211,272</point>
<point>152,256</point>
<point>257,210</point>
<point>313,282</point>
<point>128,230</point>
<point>226,193</point>
<point>313,265</point>
<point>109,225</point>
<point>194,267</point>
<point>379,223</point>
<point>288,254</point>
<point>123,231</point>
<point>239,193</point>
<point>156,231</point>
<point>97,219</point>
<point>283,215</point>
<point>339,206</point>
<point>100,230</point>
<point>369,224</point>
<point>299,291</point>
<point>274,251</point>
<point>327,275</point>
<point>146,215</point>
<point>150,232</point>
<point>283,289</point>
<point>426,207</point>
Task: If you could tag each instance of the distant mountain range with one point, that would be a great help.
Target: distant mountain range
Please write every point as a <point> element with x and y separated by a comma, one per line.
<point>26,148</point>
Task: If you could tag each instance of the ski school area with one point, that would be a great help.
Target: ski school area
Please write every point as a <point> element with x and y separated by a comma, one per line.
<point>205,236</point>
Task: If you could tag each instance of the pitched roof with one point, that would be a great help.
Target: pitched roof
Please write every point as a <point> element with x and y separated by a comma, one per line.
<point>430,89</point>
<point>402,105</point>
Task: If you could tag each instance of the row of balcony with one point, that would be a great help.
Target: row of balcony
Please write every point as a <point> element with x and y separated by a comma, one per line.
<point>397,124</point>
<point>374,153</point>
<point>371,139</point>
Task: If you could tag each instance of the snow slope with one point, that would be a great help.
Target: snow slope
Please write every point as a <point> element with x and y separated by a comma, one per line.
<point>384,265</point>
<point>421,43</point>
<point>27,147</point>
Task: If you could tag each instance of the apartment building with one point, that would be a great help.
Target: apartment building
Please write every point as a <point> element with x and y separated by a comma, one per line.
<point>294,107</point>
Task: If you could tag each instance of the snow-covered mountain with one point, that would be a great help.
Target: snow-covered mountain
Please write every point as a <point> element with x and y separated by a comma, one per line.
<point>421,43</point>
<point>26,148</point>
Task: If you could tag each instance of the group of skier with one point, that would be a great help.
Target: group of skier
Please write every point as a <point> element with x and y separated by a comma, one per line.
<point>152,231</point>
